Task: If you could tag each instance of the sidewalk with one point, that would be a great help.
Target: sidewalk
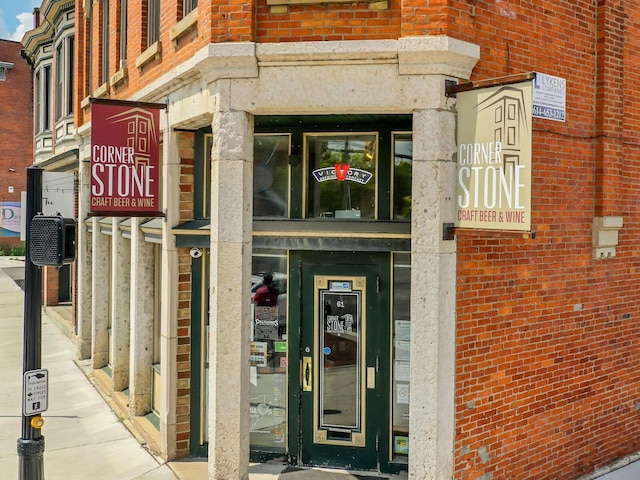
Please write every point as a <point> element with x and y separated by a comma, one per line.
<point>84,439</point>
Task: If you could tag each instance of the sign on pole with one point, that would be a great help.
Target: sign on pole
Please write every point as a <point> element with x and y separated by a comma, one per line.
<point>36,392</point>
<point>125,158</point>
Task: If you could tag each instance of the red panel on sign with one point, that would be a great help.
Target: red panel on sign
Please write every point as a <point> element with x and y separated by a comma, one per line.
<point>125,159</point>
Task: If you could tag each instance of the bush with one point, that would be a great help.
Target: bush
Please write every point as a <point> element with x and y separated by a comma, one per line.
<point>17,250</point>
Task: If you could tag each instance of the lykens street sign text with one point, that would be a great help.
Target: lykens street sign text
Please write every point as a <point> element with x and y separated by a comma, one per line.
<point>125,158</point>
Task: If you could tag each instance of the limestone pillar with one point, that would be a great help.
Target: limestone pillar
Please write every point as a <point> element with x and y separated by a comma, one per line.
<point>120,280</point>
<point>433,281</point>
<point>84,263</point>
<point>100,265</point>
<point>230,295</point>
<point>141,315</point>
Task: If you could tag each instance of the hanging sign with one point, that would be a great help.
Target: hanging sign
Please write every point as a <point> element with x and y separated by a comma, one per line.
<point>494,158</point>
<point>125,158</point>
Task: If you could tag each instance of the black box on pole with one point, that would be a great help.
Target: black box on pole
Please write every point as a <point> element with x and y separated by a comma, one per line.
<point>52,240</point>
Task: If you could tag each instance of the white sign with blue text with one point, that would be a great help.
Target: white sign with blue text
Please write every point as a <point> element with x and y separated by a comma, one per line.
<point>549,97</point>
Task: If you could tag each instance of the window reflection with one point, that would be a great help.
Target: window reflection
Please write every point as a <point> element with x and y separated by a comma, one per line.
<point>271,176</point>
<point>342,176</point>
<point>268,351</point>
<point>402,163</point>
<point>401,358</point>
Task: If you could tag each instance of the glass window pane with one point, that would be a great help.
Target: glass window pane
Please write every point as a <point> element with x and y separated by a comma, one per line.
<point>402,162</point>
<point>271,176</point>
<point>401,359</point>
<point>268,351</point>
<point>342,176</point>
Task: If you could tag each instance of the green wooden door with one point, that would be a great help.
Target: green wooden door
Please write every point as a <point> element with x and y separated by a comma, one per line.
<point>343,360</point>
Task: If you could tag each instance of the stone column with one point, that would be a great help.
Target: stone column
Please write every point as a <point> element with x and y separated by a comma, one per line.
<point>84,261</point>
<point>169,288</point>
<point>230,294</point>
<point>120,281</point>
<point>433,283</point>
<point>100,296</point>
<point>142,309</point>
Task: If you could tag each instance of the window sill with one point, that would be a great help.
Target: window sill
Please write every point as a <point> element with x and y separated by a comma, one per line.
<point>118,77</point>
<point>280,6</point>
<point>150,54</point>
<point>101,91</point>
<point>184,25</point>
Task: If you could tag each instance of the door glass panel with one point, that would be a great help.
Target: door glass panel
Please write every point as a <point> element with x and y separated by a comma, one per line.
<point>339,359</point>
<point>342,176</point>
<point>271,176</point>
<point>401,359</point>
<point>402,163</point>
<point>340,353</point>
<point>268,351</point>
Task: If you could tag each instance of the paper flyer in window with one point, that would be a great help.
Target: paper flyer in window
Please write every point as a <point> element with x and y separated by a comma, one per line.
<point>403,330</point>
<point>402,393</point>
<point>401,371</point>
<point>402,350</point>
<point>258,354</point>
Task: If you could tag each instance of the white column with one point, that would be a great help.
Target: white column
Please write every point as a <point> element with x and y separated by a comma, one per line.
<point>141,313</point>
<point>84,262</point>
<point>433,282</point>
<point>100,296</point>
<point>120,281</point>
<point>230,295</point>
<point>169,288</point>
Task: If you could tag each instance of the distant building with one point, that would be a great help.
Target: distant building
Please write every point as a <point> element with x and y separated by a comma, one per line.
<point>50,49</point>
<point>16,138</point>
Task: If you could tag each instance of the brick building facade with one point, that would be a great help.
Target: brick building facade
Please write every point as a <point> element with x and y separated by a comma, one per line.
<point>489,354</point>
<point>16,137</point>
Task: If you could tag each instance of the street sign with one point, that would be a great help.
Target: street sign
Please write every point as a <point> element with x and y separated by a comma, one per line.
<point>36,392</point>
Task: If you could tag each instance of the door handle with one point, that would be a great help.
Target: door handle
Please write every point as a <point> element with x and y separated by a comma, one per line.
<point>306,374</point>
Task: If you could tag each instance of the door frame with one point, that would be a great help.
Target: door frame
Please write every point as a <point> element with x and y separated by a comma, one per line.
<point>379,398</point>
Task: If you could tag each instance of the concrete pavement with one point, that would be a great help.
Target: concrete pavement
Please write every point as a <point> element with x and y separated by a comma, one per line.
<point>84,439</point>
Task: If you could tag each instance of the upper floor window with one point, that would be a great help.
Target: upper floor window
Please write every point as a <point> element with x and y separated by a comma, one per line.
<point>70,74</point>
<point>122,50</point>
<point>45,105</point>
<point>153,22</point>
<point>104,53</point>
<point>188,5</point>
<point>59,79</point>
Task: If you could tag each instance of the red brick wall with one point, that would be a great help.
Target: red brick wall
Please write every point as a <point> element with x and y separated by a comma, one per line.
<point>548,340</point>
<point>16,128</point>
<point>183,359</point>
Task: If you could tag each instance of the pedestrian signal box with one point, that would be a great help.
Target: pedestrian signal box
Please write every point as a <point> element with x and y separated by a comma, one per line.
<point>52,240</point>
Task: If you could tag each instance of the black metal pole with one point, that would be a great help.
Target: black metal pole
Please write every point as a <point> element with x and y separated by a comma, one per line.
<point>31,445</point>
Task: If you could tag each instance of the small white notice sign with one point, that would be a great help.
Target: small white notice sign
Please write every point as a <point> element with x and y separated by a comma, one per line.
<point>36,392</point>
<point>549,97</point>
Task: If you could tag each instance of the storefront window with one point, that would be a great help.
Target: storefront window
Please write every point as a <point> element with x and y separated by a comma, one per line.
<point>402,162</point>
<point>401,359</point>
<point>342,176</point>
<point>268,352</point>
<point>271,176</point>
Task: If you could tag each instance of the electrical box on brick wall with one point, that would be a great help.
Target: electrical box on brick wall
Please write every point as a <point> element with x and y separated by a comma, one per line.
<point>52,240</point>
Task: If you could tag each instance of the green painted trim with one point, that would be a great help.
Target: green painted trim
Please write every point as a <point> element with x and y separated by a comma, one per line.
<point>195,449</point>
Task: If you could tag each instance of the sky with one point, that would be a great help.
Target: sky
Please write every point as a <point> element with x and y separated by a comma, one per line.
<point>16,17</point>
